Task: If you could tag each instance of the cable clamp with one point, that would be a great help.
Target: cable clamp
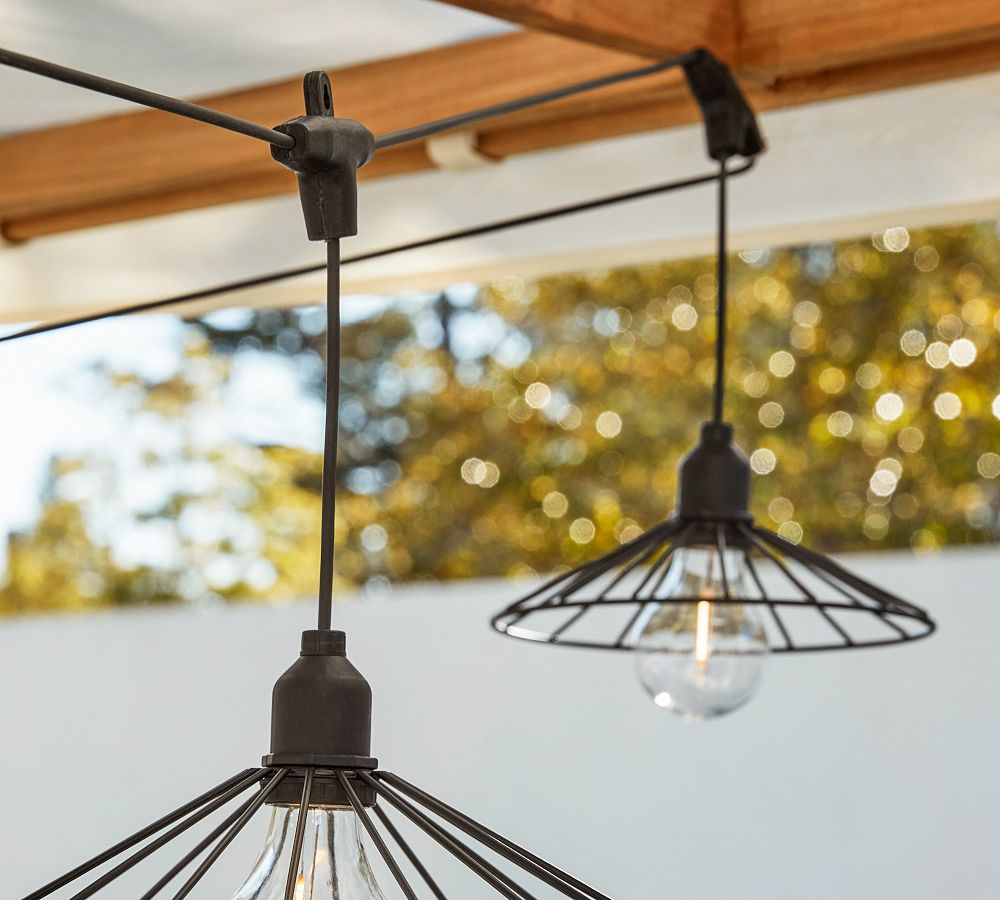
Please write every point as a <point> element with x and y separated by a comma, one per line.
<point>325,158</point>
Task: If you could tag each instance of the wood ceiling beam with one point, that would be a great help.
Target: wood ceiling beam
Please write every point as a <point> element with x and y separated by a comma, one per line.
<point>656,28</point>
<point>786,37</point>
<point>147,163</point>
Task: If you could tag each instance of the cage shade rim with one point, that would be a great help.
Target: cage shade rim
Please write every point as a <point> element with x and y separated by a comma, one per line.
<point>649,556</point>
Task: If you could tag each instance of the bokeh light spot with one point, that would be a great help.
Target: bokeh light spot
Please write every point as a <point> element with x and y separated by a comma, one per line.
<point>889,407</point>
<point>582,531</point>
<point>912,342</point>
<point>947,406</point>
<point>781,363</point>
<point>763,461</point>
<point>609,424</point>
<point>771,414</point>
<point>989,465</point>
<point>840,423</point>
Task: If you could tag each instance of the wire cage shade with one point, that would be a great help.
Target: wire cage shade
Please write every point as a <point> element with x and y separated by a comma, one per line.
<point>806,600</point>
<point>382,801</point>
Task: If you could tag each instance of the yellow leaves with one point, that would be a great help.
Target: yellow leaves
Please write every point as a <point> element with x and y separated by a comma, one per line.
<point>838,354</point>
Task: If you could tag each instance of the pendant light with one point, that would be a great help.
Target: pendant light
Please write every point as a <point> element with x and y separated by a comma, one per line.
<point>323,787</point>
<point>704,598</point>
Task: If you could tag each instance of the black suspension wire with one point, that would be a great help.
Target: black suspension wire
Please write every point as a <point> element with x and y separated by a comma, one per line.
<point>241,126</point>
<point>328,491</point>
<point>143,97</point>
<point>333,262</point>
<point>421,243</point>
<point>449,123</point>
<point>722,294</point>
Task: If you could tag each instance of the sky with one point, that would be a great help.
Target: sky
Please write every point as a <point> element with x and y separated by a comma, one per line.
<point>51,406</point>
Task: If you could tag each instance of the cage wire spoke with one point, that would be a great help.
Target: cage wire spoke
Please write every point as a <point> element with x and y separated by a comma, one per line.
<point>500,882</point>
<point>681,535</point>
<point>792,562</point>
<point>153,846</point>
<point>537,866</point>
<point>141,835</point>
<point>877,593</point>
<point>752,569</point>
<point>569,623</point>
<point>300,830</point>
<point>838,586</point>
<point>720,544</point>
<point>630,624</point>
<point>228,837</point>
<point>830,574</point>
<point>196,851</point>
<point>668,557</point>
<point>661,566</point>
<point>752,534</point>
<point>377,839</point>
<point>627,569</point>
<point>588,572</point>
<point>403,845</point>
<point>620,555</point>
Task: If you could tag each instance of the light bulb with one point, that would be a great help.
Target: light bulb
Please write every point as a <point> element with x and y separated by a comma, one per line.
<point>333,865</point>
<point>704,658</point>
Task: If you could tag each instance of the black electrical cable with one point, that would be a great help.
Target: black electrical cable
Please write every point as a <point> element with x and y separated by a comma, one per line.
<point>429,129</point>
<point>143,97</point>
<point>232,123</point>
<point>473,231</point>
<point>722,295</point>
<point>328,490</point>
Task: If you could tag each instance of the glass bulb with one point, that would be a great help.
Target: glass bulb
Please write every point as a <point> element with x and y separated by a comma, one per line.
<point>702,659</point>
<point>333,865</point>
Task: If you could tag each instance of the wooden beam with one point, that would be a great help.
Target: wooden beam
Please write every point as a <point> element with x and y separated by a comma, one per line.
<point>656,28</point>
<point>881,75</point>
<point>148,163</point>
<point>783,37</point>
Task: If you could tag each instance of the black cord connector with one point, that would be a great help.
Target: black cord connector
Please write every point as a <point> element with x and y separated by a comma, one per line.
<point>730,124</point>
<point>325,158</point>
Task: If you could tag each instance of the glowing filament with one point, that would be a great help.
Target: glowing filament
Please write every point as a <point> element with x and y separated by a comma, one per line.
<point>703,632</point>
<point>300,888</point>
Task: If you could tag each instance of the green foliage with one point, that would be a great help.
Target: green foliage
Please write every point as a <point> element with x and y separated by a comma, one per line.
<point>530,425</point>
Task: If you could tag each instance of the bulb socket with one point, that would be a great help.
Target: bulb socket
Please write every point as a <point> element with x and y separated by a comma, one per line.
<point>321,708</point>
<point>715,478</point>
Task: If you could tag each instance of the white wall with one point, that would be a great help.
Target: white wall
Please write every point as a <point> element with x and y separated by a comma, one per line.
<point>868,775</point>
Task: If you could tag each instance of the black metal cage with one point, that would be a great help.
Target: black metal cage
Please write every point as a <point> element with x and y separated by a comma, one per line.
<point>371,793</point>
<point>810,602</point>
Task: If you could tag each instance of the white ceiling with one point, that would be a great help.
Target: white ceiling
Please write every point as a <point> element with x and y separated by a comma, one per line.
<point>916,156</point>
<point>189,48</point>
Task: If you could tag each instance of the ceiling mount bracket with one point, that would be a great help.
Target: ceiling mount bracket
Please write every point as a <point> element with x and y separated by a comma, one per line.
<point>731,127</point>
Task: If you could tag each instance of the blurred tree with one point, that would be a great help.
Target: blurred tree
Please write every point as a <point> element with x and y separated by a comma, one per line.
<point>520,426</point>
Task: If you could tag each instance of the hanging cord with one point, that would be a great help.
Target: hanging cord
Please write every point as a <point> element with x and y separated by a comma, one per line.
<point>722,294</point>
<point>473,231</point>
<point>328,491</point>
